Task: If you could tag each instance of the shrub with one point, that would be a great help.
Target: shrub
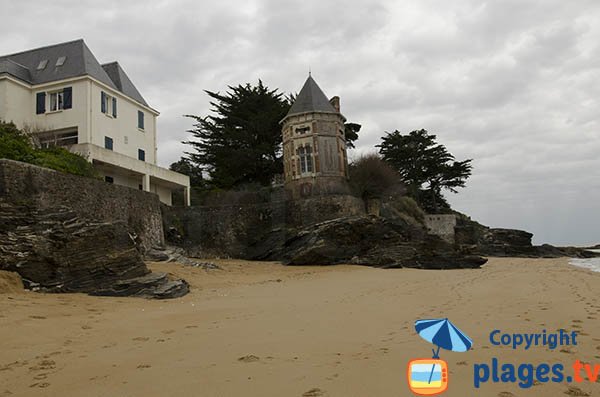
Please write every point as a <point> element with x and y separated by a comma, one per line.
<point>371,177</point>
<point>15,145</point>
<point>62,160</point>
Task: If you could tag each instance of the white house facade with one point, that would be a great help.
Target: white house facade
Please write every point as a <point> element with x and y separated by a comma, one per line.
<point>65,97</point>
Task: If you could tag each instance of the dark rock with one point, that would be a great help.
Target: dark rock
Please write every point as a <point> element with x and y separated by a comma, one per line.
<point>151,285</point>
<point>364,240</point>
<point>483,240</point>
<point>55,251</point>
<point>156,255</point>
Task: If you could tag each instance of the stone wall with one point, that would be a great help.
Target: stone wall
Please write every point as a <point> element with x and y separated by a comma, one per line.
<point>441,225</point>
<point>233,230</point>
<point>88,198</point>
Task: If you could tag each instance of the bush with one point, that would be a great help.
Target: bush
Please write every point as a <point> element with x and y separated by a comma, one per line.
<point>371,177</point>
<point>15,145</point>
<point>409,206</point>
<point>60,159</point>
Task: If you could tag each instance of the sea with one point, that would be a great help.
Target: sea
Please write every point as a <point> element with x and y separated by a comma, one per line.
<point>592,264</point>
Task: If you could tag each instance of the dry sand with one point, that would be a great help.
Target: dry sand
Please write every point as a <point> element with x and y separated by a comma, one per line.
<point>261,329</point>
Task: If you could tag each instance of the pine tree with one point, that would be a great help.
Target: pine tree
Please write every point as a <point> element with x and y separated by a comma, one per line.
<point>425,166</point>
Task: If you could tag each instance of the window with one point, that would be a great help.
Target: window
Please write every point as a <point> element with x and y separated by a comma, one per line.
<point>108,104</point>
<point>61,61</point>
<point>140,120</point>
<point>305,162</point>
<point>58,139</point>
<point>141,155</point>
<point>302,130</point>
<point>108,143</point>
<point>108,179</point>
<point>56,101</point>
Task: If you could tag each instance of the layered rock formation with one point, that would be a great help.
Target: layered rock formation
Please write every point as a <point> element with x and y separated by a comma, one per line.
<point>499,242</point>
<point>364,240</point>
<point>53,250</point>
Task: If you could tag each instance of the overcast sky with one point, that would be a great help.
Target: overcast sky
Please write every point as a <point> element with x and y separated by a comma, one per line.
<point>512,84</point>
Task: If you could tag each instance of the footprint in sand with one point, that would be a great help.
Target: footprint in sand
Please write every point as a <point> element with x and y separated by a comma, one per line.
<point>144,366</point>
<point>38,317</point>
<point>168,331</point>
<point>40,385</point>
<point>462,363</point>
<point>315,392</point>
<point>85,326</point>
<point>505,394</point>
<point>249,358</point>
<point>191,326</point>
<point>141,339</point>
<point>44,365</point>
<point>575,391</point>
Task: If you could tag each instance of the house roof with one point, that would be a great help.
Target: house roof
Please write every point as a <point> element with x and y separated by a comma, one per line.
<point>311,99</point>
<point>43,65</point>
<point>122,81</point>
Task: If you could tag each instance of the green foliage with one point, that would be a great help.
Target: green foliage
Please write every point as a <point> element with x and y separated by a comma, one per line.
<point>240,142</point>
<point>371,177</point>
<point>186,167</point>
<point>351,133</point>
<point>425,166</point>
<point>409,206</point>
<point>60,159</point>
<point>15,145</point>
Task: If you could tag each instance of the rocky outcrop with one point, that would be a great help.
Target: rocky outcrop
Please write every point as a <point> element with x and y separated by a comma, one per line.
<point>364,240</point>
<point>498,242</point>
<point>55,251</point>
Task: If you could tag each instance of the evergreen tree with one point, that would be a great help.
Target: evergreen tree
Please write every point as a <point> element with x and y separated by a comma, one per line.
<point>425,166</point>
<point>240,142</point>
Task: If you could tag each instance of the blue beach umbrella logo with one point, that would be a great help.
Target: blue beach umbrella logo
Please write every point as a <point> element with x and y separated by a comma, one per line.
<point>443,334</point>
<point>430,376</point>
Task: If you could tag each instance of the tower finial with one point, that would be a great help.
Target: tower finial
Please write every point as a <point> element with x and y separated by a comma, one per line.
<point>308,70</point>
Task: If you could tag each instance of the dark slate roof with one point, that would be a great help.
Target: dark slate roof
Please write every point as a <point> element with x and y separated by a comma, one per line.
<point>79,61</point>
<point>122,81</point>
<point>311,99</point>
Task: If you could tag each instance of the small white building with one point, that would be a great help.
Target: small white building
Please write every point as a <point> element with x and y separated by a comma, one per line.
<point>65,97</point>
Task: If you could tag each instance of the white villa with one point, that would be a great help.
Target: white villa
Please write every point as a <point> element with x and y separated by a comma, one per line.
<point>63,95</point>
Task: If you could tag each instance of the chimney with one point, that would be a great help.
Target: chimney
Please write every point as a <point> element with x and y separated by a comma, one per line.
<point>335,101</point>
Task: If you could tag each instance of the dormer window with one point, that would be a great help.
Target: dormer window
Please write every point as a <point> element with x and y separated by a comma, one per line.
<point>61,61</point>
<point>42,64</point>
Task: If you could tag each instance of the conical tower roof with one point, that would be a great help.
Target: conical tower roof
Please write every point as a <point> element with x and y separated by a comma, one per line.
<point>311,99</point>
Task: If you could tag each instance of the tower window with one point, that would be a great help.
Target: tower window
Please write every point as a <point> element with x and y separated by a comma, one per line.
<point>305,163</point>
<point>302,130</point>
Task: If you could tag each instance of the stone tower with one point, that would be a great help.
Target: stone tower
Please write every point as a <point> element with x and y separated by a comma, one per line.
<point>314,148</point>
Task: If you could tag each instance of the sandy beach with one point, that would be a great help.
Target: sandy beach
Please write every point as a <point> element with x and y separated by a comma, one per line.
<point>263,329</point>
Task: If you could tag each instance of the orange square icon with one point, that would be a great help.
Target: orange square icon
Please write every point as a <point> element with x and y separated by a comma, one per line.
<point>427,376</point>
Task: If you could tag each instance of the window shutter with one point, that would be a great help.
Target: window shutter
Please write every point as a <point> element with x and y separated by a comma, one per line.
<point>114,107</point>
<point>40,103</point>
<point>68,98</point>
<point>103,102</point>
